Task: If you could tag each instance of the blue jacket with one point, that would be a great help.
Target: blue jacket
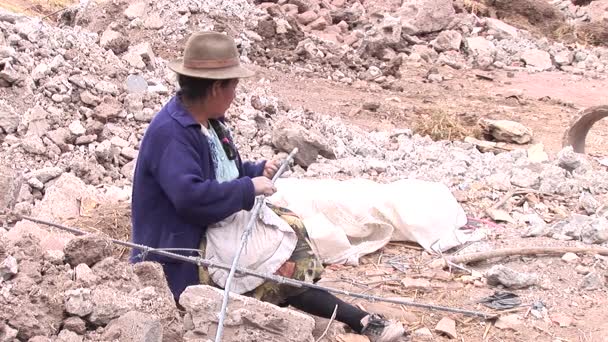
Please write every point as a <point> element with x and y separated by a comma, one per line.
<point>175,194</point>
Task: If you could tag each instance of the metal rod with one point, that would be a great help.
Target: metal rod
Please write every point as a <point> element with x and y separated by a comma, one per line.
<point>271,277</point>
<point>259,201</point>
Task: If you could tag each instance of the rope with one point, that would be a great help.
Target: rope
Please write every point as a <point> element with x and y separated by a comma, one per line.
<point>254,213</point>
<point>271,277</point>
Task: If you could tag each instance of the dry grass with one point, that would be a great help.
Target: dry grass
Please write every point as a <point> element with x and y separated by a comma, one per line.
<point>110,220</point>
<point>440,125</point>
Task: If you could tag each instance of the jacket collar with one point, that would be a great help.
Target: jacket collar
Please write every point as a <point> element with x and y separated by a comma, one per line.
<point>180,113</point>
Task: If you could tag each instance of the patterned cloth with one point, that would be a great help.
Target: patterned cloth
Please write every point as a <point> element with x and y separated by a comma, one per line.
<point>225,169</point>
<point>303,265</point>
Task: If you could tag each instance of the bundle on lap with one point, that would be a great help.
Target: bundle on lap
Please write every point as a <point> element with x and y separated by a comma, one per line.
<point>191,189</point>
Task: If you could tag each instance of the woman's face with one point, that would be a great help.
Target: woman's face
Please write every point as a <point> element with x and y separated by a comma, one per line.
<point>221,98</point>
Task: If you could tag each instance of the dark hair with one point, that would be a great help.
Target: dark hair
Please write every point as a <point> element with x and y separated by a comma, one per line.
<point>194,88</point>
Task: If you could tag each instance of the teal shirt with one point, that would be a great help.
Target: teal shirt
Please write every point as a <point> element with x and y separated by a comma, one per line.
<point>225,169</point>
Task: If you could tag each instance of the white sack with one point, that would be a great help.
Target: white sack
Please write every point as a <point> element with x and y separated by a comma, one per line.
<point>348,219</point>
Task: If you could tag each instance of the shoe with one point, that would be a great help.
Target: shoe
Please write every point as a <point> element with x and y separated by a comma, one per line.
<point>379,329</point>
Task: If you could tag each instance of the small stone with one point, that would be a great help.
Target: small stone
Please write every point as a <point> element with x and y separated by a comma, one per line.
<point>68,336</point>
<point>75,324</point>
<point>417,283</point>
<point>588,203</point>
<point>154,22</point>
<point>502,275</point>
<point>319,24</point>
<point>561,319</point>
<point>134,326</point>
<point>106,87</point>
<point>8,268</point>
<point>76,128</point>
<point>525,178</point>
<point>88,98</point>
<point>512,322</point>
<point>46,173</point>
<point>593,281</point>
<point>88,249</point>
<point>54,256</point>
<point>135,10</point>
<point>85,275</point>
<point>447,326</point>
<point>371,106</point>
<point>570,160</point>
<point>35,183</point>
<point>79,302</point>
<point>423,334</point>
<point>563,57</point>
<point>570,258</point>
<point>33,144</point>
<point>580,269</point>
<point>538,59</point>
<point>40,72</point>
<point>307,17</point>
<point>506,131</point>
<point>447,40</point>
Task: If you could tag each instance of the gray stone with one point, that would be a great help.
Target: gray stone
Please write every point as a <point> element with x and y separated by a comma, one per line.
<point>55,257</point>
<point>260,321</point>
<point>110,304</point>
<point>68,336</point>
<point>538,59</point>
<point>482,50</point>
<point>501,29</point>
<point>501,275</point>
<point>595,231</point>
<point>10,186</point>
<point>564,57</point>
<point>35,183</point>
<point>75,324</point>
<point>593,281</point>
<point>105,87</point>
<point>45,174</point>
<point>8,268</point>
<point>525,178</point>
<point>87,249</point>
<point>506,131</point>
<point>587,202</point>
<point>310,144</point>
<point>425,16</point>
<point>447,40</point>
<point>40,72</point>
<point>78,302</point>
<point>570,160</point>
<point>134,326</point>
<point>9,119</point>
<point>128,169</point>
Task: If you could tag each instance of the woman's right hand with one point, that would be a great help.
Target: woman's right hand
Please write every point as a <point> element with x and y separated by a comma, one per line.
<point>263,186</point>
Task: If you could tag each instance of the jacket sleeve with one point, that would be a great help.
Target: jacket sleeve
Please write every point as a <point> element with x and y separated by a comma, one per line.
<point>197,199</point>
<point>253,170</point>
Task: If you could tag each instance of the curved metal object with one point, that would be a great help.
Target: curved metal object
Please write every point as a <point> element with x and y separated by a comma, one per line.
<point>579,127</point>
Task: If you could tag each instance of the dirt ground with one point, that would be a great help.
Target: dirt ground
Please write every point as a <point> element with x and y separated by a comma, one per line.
<point>545,102</point>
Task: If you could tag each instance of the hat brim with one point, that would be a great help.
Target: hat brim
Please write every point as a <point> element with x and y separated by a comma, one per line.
<point>214,74</point>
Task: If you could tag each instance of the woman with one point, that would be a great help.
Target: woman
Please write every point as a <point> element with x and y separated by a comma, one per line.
<point>190,180</point>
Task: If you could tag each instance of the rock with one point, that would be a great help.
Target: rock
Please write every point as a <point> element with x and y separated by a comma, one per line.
<point>423,334</point>
<point>128,169</point>
<point>109,109</point>
<point>35,121</point>
<point>114,41</point>
<point>10,186</point>
<point>62,199</point>
<point>506,131</point>
<point>570,160</point>
<point>35,183</point>
<point>320,24</point>
<point>272,323</point>
<point>580,269</point>
<point>525,178</point>
<point>75,324</point>
<point>425,16</point>
<point>479,47</point>
<point>447,326</point>
<point>595,231</point>
<point>154,22</point>
<point>447,40</point>
<point>8,268</point>
<point>141,56</point>
<point>76,128</point>
<point>587,202</point>
<point>561,319</point>
<point>45,174</point>
<point>33,144</point>
<point>7,333</point>
<point>105,87</point>
<point>538,59</point>
<point>152,274</point>
<point>40,72</point>
<point>570,258</point>
<point>85,275</point>
<point>310,144</point>
<point>55,257</point>
<point>501,29</point>
<point>88,249</point>
<point>78,302</point>
<point>501,275</point>
<point>135,10</point>
<point>593,281</point>
<point>9,119</point>
<point>537,154</point>
<point>88,98</point>
<point>416,283</point>
<point>68,336</point>
<point>60,137</point>
<point>513,322</point>
<point>563,58</point>
<point>110,304</point>
<point>307,17</point>
<point>134,327</point>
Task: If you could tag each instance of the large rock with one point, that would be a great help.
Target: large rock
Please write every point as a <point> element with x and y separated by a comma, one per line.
<point>247,319</point>
<point>426,16</point>
<point>9,119</point>
<point>501,29</point>
<point>10,185</point>
<point>310,144</point>
<point>134,326</point>
<point>481,50</point>
<point>506,131</point>
<point>537,59</point>
<point>108,304</point>
<point>448,40</point>
<point>89,249</point>
<point>62,199</point>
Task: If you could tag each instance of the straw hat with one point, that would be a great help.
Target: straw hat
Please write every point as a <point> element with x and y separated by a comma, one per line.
<point>210,55</point>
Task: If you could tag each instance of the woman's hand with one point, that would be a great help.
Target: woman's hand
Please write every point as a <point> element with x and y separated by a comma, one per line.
<point>263,186</point>
<point>270,169</point>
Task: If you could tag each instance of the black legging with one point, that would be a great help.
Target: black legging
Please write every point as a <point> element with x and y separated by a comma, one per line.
<point>321,303</point>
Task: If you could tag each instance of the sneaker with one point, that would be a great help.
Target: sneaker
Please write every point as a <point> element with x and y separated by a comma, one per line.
<point>379,329</point>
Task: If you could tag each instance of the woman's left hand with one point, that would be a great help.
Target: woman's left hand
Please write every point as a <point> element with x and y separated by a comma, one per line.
<point>270,169</point>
